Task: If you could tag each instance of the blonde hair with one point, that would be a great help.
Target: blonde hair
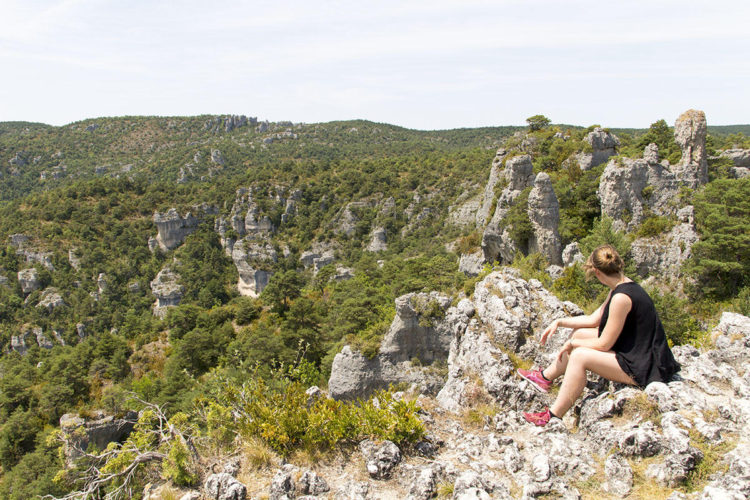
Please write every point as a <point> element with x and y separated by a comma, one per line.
<point>606,259</point>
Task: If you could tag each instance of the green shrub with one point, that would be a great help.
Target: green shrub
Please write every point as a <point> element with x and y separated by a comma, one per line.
<point>678,320</point>
<point>283,417</point>
<point>654,226</point>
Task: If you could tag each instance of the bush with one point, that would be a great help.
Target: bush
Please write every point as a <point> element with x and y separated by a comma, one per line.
<point>654,226</point>
<point>679,323</point>
<point>283,417</point>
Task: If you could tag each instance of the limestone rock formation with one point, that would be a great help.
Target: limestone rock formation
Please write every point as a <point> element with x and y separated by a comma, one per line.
<point>18,343</point>
<point>572,254</point>
<point>496,173</point>
<point>509,311</point>
<point>378,241</point>
<point>463,212</point>
<point>496,242</point>
<point>51,299</point>
<point>167,290</point>
<point>253,260</point>
<point>29,280</point>
<point>544,213</point>
<point>74,260</point>
<point>224,486</point>
<point>740,157</point>
<point>318,257</point>
<point>346,219</point>
<point>420,330</point>
<point>229,123</point>
<point>99,430</point>
<point>24,248</point>
<point>664,254</point>
<point>41,339</point>
<point>217,157</point>
<point>630,190</point>
<point>603,144</point>
<point>173,229</point>
<point>651,153</point>
<point>380,458</point>
<point>690,134</point>
<point>471,264</point>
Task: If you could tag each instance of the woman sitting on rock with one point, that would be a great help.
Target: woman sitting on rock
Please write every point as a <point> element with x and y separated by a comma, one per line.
<point>623,340</point>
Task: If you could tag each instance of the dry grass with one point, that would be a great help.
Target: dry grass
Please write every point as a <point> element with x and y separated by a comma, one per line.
<point>712,462</point>
<point>445,490</point>
<point>257,454</point>
<point>643,487</point>
<point>478,416</point>
<point>642,408</point>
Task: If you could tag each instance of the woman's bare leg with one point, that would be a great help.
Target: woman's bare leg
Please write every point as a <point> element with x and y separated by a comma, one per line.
<point>557,367</point>
<point>603,363</point>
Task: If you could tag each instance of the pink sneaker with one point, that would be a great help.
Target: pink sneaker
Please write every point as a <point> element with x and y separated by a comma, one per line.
<point>536,379</point>
<point>539,419</point>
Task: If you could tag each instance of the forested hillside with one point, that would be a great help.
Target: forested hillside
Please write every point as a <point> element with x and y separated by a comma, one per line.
<point>287,242</point>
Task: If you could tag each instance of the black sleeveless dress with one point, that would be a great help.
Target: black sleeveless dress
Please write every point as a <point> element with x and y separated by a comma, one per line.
<point>641,349</point>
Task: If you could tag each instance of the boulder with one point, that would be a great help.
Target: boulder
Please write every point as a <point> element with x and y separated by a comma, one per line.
<point>74,260</point>
<point>99,430</point>
<point>380,458</point>
<point>345,221</point>
<point>216,157</point>
<point>223,486</point>
<point>283,486</point>
<point>619,476</point>
<point>312,484</point>
<point>544,214</point>
<point>167,290</point>
<point>29,280</point>
<point>572,254</point>
<point>352,490</point>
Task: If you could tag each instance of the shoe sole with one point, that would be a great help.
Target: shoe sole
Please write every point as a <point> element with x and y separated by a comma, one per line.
<point>533,384</point>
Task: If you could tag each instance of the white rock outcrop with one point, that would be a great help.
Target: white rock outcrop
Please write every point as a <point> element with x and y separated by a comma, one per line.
<point>167,290</point>
<point>497,244</point>
<point>603,144</point>
<point>544,214</point>
<point>630,190</point>
<point>254,261</point>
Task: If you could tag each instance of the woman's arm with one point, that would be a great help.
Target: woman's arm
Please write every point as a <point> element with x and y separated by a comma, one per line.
<point>619,308</point>
<point>590,321</point>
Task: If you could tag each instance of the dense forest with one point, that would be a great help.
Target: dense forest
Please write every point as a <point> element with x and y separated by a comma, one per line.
<point>77,207</point>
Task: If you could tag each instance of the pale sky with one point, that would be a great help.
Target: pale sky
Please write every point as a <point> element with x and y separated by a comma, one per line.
<point>420,64</point>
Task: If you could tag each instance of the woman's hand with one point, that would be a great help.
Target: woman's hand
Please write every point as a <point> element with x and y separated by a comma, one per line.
<point>549,331</point>
<point>567,348</point>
